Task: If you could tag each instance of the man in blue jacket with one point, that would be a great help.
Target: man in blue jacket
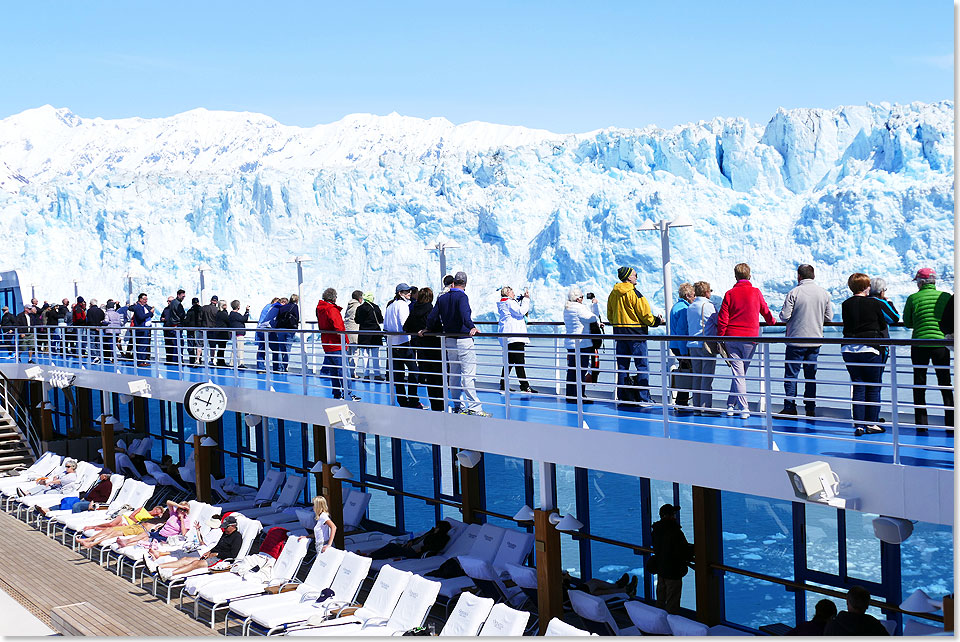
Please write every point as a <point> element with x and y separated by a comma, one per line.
<point>142,314</point>
<point>678,327</point>
<point>452,315</point>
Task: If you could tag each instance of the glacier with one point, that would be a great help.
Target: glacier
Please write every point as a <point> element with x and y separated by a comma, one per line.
<point>856,188</point>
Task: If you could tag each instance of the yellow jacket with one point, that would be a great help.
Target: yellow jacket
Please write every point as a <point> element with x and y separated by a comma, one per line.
<point>626,307</point>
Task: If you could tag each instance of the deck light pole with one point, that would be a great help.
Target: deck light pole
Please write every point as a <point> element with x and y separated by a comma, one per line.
<point>76,290</point>
<point>201,269</point>
<point>300,260</point>
<point>441,245</point>
<point>129,277</point>
<point>664,228</point>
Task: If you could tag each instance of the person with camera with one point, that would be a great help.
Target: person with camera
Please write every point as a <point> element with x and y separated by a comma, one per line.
<point>577,319</point>
<point>512,311</point>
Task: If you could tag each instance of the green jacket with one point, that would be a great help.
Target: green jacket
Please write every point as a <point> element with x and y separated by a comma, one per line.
<point>923,311</point>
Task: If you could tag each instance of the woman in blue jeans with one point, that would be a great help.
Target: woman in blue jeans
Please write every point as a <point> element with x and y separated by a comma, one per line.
<point>863,318</point>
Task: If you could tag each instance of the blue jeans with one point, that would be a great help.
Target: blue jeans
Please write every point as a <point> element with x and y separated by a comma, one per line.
<point>635,349</point>
<point>864,368</point>
<point>333,368</point>
<point>806,356</point>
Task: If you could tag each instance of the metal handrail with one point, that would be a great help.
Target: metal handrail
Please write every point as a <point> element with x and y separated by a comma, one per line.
<point>22,417</point>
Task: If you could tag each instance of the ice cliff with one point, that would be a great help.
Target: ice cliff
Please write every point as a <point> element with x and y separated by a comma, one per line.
<point>857,188</point>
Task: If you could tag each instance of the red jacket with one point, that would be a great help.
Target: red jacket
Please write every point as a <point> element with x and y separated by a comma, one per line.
<point>329,318</point>
<point>742,305</point>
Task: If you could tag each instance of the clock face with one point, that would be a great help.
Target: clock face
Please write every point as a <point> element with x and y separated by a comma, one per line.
<point>205,401</point>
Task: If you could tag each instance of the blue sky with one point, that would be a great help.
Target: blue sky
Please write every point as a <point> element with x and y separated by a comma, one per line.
<point>563,66</point>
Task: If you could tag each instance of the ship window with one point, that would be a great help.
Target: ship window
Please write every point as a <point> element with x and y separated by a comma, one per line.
<point>927,560</point>
<point>504,485</point>
<point>863,548</point>
<point>823,549</point>
<point>754,602</point>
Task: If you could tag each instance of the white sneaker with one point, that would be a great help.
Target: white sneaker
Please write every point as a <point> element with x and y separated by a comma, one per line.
<point>731,411</point>
<point>150,563</point>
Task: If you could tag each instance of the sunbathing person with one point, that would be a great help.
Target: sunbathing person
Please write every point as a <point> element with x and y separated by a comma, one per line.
<point>426,545</point>
<point>178,523</point>
<point>128,525</point>
<point>65,483</point>
<point>227,548</point>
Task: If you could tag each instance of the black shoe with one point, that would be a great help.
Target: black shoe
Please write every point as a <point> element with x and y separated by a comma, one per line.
<point>623,581</point>
<point>811,411</point>
<point>787,411</point>
<point>528,390</point>
<point>20,492</point>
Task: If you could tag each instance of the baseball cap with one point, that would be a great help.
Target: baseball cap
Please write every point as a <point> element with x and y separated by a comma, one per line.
<point>402,287</point>
<point>925,273</point>
<point>668,509</point>
<point>460,277</point>
<point>229,520</point>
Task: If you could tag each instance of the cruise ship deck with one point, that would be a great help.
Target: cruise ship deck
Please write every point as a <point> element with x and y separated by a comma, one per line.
<point>763,556</point>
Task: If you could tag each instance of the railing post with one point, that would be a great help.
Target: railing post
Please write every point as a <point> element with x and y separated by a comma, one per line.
<point>206,362</point>
<point>894,405</point>
<point>664,388</point>
<point>390,380</point>
<point>16,346</point>
<point>768,406</point>
<point>506,377</point>
<point>560,365</point>
<point>443,373</point>
<point>579,375</point>
<point>303,362</point>
<point>235,341</point>
<point>267,352</point>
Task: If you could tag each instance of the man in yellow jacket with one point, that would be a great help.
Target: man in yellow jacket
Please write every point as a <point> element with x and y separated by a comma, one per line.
<point>629,313</point>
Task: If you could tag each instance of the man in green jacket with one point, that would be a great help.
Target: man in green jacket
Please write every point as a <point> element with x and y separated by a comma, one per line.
<point>923,312</point>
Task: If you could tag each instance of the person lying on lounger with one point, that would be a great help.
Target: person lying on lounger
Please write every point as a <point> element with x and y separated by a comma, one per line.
<point>430,543</point>
<point>227,548</point>
<point>127,526</point>
<point>177,523</point>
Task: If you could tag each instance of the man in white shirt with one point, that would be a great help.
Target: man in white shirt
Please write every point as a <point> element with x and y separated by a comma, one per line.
<point>404,364</point>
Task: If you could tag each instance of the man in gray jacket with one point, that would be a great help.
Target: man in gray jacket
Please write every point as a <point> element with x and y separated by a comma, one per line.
<point>805,310</point>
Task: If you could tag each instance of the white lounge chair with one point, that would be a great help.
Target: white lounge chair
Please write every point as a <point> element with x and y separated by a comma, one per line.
<point>156,474</point>
<point>504,621</point>
<point>467,616</point>
<point>411,611</point>
<point>345,586</point>
<point>290,495</point>
<point>380,603</point>
<point>87,474</point>
<point>217,595</point>
<point>47,462</point>
<point>249,530</point>
<point>354,509</point>
<point>321,574</point>
<point>133,496</point>
<point>649,619</point>
<point>266,493</point>
<point>459,545</point>
<point>596,615</point>
<point>558,627</point>
<point>55,517</point>
<point>680,625</point>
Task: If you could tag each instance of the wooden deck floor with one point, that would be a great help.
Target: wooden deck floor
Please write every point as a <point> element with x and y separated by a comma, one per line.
<point>41,574</point>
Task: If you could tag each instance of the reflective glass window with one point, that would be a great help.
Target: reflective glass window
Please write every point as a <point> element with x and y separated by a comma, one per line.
<point>823,552</point>
<point>926,560</point>
<point>863,547</point>
<point>753,602</point>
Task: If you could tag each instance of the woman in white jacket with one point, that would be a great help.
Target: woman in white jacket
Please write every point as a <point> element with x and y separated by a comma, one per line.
<point>512,313</point>
<point>577,318</point>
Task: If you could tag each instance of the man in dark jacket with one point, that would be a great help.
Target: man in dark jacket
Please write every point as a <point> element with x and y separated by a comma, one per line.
<point>95,321</point>
<point>8,321</point>
<point>855,621</point>
<point>238,322</point>
<point>26,330</point>
<point>288,317</point>
<point>194,319</point>
<point>172,316</point>
<point>209,318</point>
<point>142,315</point>
<point>672,552</point>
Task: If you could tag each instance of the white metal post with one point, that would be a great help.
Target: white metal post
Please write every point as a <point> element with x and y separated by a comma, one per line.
<point>664,388</point>
<point>579,376</point>
<point>667,270</point>
<point>768,405</point>
<point>894,405</point>
<point>506,377</point>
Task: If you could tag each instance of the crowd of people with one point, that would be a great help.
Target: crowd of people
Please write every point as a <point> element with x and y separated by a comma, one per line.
<point>423,332</point>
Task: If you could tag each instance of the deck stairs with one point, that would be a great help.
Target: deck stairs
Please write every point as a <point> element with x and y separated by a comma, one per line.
<point>14,450</point>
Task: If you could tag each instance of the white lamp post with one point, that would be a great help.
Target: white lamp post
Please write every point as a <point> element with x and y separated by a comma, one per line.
<point>664,227</point>
<point>76,290</point>
<point>129,278</point>
<point>300,260</point>
<point>201,269</point>
<point>441,245</point>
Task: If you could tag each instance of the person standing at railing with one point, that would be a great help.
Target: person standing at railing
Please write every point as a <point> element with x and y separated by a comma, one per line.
<point>577,318</point>
<point>209,320</point>
<point>629,313</point>
<point>863,318</point>
<point>739,316</point>
<point>237,322</point>
<point>113,321</point>
<point>8,324</point>
<point>62,320</point>
<point>426,349</point>
<point>351,325</point>
<point>404,366</point>
<point>220,336</point>
<point>452,315</point>
<point>678,327</point>
<point>78,319</point>
<point>922,312</point>
<point>806,308</point>
<point>48,319</point>
<point>288,318</point>
<point>267,319</point>
<point>95,322</point>
<point>194,319</point>
<point>369,316</point>
<point>171,317</point>
<point>512,312</point>
<point>330,324</point>
<point>26,330</point>
<point>702,322</point>
<point>142,317</point>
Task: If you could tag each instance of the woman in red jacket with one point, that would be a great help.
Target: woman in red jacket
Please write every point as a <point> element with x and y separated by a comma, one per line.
<point>739,315</point>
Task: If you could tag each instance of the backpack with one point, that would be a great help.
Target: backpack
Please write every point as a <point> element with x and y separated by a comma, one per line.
<point>287,320</point>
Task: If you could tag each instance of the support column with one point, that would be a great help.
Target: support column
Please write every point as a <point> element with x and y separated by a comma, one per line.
<point>470,493</point>
<point>319,452</point>
<point>333,491</point>
<point>215,430</point>
<point>138,416</point>
<point>706,545</point>
<point>107,443</point>
<point>46,425</point>
<point>84,427</point>
<point>549,570</point>
<point>201,461</point>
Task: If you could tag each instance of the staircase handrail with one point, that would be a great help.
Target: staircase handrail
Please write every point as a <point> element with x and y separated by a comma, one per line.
<point>21,416</point>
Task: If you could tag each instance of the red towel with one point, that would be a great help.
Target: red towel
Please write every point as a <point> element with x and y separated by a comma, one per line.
<point>273,542</point>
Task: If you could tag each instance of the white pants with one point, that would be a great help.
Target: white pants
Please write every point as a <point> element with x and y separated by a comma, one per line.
<point>462,366</point>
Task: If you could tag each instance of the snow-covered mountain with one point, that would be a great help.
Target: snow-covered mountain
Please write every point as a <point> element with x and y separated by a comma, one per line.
<point>861,188</point>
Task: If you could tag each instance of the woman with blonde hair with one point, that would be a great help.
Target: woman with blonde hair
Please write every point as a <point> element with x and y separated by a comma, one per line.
<point>325,529</point>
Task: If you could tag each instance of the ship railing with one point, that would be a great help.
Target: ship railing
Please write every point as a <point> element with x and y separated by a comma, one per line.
<point>304,361</point>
